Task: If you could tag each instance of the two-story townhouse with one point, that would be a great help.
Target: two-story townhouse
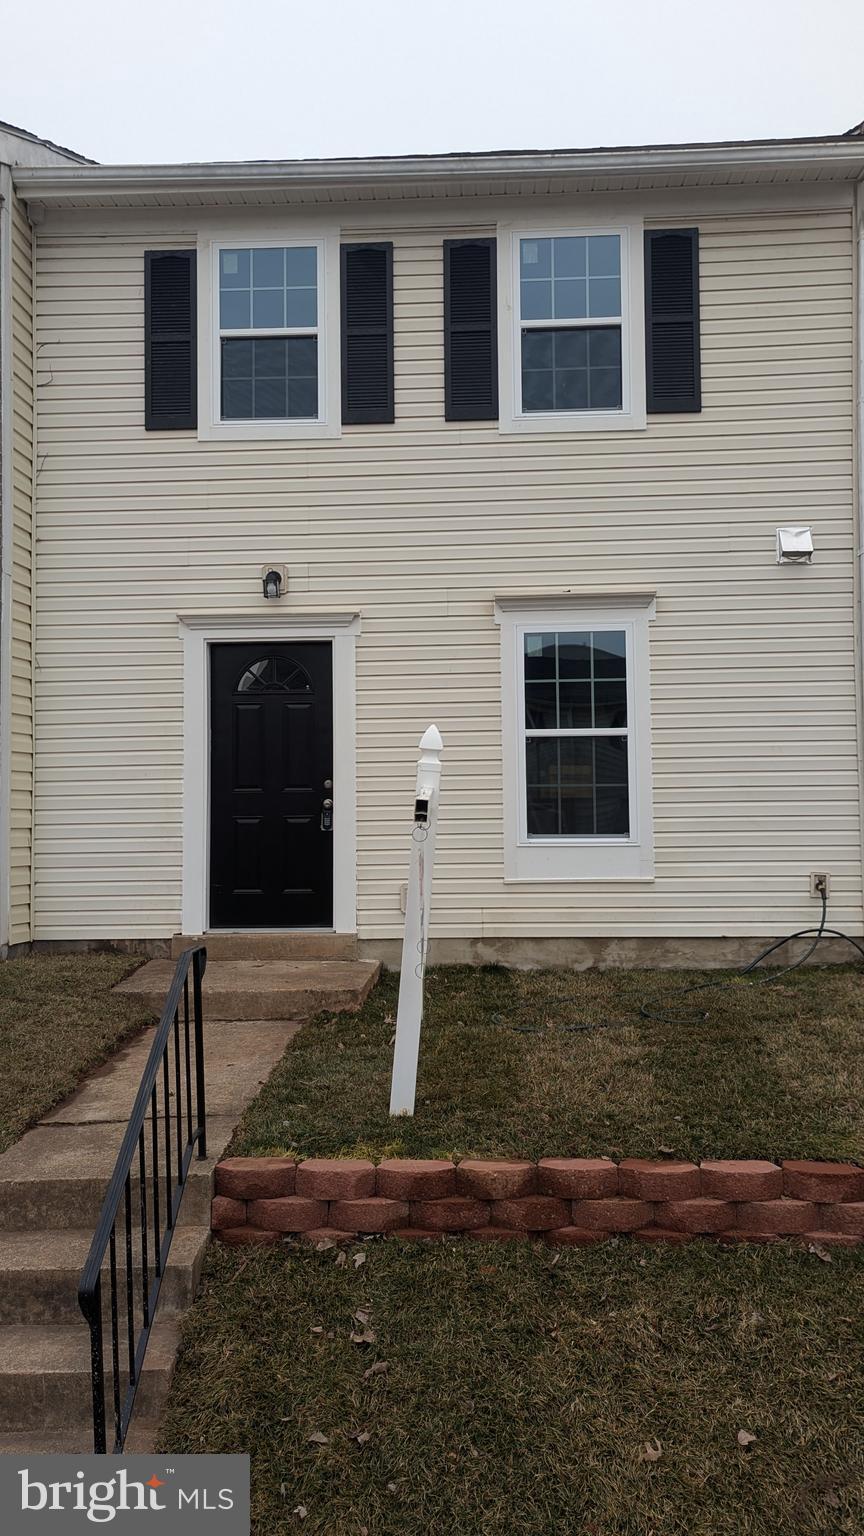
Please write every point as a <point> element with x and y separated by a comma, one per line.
<point>331,450</point>
<point>18,147</point>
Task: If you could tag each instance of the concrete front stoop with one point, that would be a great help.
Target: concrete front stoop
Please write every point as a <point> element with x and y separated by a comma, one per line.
<point>269,988</point>
<point>53,1181</point>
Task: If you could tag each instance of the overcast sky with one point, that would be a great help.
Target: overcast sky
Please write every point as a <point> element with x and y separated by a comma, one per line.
<point>174,80</point>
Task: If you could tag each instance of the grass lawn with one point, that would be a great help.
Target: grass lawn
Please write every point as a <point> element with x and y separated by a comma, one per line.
<point>507,1067</point>
<point>521,1389</point>
<point>58,1018</point>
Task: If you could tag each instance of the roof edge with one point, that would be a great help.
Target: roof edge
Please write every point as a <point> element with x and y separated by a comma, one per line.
<point>35,138</point>
<point>52,183</point>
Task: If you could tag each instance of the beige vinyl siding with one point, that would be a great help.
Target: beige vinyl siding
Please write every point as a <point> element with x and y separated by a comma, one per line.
<point>21,742</point>
<point>418,526</point>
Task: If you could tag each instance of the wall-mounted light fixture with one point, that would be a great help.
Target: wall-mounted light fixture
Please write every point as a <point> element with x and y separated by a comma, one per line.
<point>274,580</point>
<point>794,546</point>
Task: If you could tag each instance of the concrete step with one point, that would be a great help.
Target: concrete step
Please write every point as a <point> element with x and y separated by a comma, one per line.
<point>39,1273</point>
<point>265,989</point>
<point>297,944</point>
<point>77,1438</point>
<point>238,1058</point>
<point>56,1176</point>
<point>45,1374</point>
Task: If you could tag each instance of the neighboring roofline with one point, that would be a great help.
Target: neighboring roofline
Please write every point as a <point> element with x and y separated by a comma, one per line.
<point>33,138</point>
<point>56,183</point>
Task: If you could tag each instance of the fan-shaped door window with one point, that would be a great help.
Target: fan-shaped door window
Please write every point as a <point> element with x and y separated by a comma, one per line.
<point>274,674</point>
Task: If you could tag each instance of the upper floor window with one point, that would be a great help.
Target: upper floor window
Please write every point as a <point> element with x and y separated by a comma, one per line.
<point>270,354</point>
<point>569,356</point>
<point>570,320</point>
<point>268,333</point>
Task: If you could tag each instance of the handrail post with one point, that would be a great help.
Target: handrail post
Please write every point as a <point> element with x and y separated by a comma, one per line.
<point>97,1367</point>
<point>199,1051</point>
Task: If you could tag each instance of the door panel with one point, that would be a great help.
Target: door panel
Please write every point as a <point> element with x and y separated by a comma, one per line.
<point>271,760</point>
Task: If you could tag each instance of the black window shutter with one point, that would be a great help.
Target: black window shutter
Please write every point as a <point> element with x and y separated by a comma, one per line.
<point>367,333</point>
<point>170,353</point>
<point>672,320</point>
<point>470,331</point>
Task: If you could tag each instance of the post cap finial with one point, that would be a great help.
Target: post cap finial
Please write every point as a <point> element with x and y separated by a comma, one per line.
<point>431,741</point>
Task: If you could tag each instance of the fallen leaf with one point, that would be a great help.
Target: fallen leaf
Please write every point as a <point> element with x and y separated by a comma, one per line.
<point>391,1487</point>
<point>666,1151</point>
<point>341,1259</point>
<point>745,1437</point>
<point>652,1450</point>
<point>377,1369</point>
<point>316,1328</point>
<point>832,1499</point>
<point>300,1511</point>
<point>318,1439</point>
<point>324,1243</point>
<point>363,1336</point>
<point>821,1252</point>
<point>362,1436</point>
<point>359,1258</point>
<point>361,1316</point>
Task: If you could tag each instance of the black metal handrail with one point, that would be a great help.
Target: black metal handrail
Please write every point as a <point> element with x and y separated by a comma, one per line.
<point>149,1232</point>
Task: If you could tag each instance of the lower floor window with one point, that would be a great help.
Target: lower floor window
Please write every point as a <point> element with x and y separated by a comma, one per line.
<point>576,750</point>
<point>577,743</point>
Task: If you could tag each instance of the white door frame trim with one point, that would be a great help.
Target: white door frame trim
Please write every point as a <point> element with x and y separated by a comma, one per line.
<point>198,633</point>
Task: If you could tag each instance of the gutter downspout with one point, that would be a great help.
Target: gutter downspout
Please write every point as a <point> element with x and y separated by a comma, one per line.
<point>5,547</point>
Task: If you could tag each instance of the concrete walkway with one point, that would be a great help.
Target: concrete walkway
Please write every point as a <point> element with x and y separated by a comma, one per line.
<point>52,1183</point>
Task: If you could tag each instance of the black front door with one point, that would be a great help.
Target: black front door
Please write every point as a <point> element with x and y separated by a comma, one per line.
<point>271,792</point>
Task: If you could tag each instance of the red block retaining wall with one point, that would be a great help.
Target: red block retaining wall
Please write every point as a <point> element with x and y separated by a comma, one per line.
<point>564,1200</point>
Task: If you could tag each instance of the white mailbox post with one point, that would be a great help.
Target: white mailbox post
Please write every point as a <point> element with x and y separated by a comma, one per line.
<point>409,1015</point>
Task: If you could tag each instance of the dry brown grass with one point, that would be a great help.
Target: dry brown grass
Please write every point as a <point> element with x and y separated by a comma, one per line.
<point>520,1392</point>
<point>58,1019</point>
<point>521,1063</point>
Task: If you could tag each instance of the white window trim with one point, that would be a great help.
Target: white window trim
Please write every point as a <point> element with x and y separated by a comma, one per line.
<point>632,416</point>
<point>211,427</point>
<point>198,633</point>
<point>577,858</point>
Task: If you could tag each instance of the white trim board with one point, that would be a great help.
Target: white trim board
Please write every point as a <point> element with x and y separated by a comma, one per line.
<point>198,633</point>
